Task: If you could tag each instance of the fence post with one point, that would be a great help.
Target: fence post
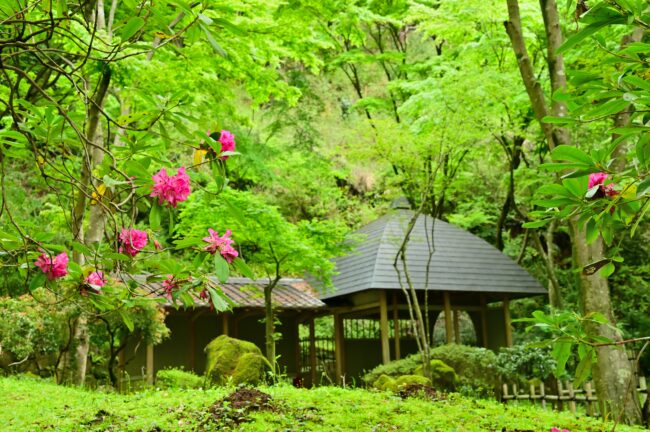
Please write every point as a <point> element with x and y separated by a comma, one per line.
<point>532,393</point>
<point>543,394</point>
<point>572,397</point>
<point>590,409</point>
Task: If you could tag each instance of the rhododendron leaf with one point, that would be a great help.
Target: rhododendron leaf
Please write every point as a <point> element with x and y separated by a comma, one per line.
<point>37,281</point>
<point>592,231</point>
<point>188,242</point>
<point>571,154</point>
<point>116,256</point>
<point>131,28</point>
<point>218,299</point>
<point>643,188</point>
<point>154,217</point>
<point>243,268</point>
<point>591,192</point>
<point>74,270</point>
<point>221,269</point>
<point>607,270</point>
<point>561,353</point>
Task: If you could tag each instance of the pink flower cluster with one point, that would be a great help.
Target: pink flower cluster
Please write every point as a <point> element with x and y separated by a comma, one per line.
<point>223,245</point>
<point>96,279</point>
<point>598,179</point>
<point>172,189</point>
<point>559,430</point>
<point>133,241</point>
<point>227,140</point>
<point>53,268</point>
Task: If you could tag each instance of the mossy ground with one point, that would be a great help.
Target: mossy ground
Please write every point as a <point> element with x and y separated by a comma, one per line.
<point>33,405</point>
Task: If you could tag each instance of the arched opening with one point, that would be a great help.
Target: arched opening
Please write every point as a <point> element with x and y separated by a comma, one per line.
<point>463,330</point>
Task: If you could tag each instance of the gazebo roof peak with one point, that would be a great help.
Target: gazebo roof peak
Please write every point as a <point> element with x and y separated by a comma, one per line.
<point>459,262</point>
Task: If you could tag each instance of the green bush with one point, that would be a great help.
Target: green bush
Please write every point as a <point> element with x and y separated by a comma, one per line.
<point>384,382</point>
<point>178,379</point>
<point>520,364</point>
<point>476,368</point>
<point>405,380</point>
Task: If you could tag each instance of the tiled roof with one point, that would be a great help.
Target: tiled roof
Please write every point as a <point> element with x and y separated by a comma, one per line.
<point>461,262</point>
<point>288,294</point>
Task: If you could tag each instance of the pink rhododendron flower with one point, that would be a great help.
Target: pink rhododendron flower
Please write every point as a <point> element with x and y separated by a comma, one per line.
<point>558,430</point>
<point>172,189</point>
<point>221,245</point>
<point>598,179</point>
<point>227,140</point>
<point>169,285</point>
<point>96,279</point>
<point>133,241</point>
<point>53,268</point>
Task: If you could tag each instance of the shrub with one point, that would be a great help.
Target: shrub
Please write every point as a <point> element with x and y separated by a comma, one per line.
<point>387,383</point>
<point>177,379</point>
<point>405,366</point>
<point>384,382</point>
<point>520,363</point>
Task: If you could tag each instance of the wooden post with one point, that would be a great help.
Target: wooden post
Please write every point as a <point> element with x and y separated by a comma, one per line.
<point>588,398</point>
<point>456,326</point>
<point>312,351</point>
<point>484,329</point>
<point>542,391</point>
<point>572,397</point>
<point>192,340</point>
<point>383,327</point>
<point>225,320</point>
<point>149,364</point>
<point>448,325</point>
<point>338,347</point>
<point>506,316</point>
<point>398,353</point>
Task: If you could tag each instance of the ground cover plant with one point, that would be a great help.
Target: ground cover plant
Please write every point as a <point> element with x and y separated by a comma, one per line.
<point>275,408</point>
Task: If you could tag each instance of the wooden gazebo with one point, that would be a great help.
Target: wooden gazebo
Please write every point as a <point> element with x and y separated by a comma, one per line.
<point>465,273</point>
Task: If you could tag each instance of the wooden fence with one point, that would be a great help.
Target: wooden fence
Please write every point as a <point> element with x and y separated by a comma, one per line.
<point>564,396</point>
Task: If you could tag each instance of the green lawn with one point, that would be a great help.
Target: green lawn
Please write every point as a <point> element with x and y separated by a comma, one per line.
<point>33,405</point>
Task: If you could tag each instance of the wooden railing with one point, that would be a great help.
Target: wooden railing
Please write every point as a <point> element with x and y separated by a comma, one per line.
<point>564,397</point>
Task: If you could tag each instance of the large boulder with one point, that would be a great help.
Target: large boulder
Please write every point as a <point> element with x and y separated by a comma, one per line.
<point>443,376</point>
<point>233,361</point>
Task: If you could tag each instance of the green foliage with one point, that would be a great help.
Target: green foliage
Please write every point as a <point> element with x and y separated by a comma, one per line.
<point>177,379</point>
<point>405,366</point>
<point>521,363</point>
<point>31,328</point>
<point>476,367</point>
<point>233,361</point>
<point>65,408</point>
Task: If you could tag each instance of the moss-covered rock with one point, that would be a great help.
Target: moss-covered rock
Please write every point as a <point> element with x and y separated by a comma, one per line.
<point>406,380</point>
<point>233,360</point>
<point>443,376</point>
<point>384,382</point>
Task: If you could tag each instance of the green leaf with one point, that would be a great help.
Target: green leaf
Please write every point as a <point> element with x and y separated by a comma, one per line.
<point>38,280</point>
<point>221,268</point>
<point>571,154</point>
<point>536,224</point>
<point>643,188</point>
<point>219,300</point>
<point>558,120</point>
<point>188,242</point>
<point>580,36</point>
<point>116,256</point>
<point>128,321</point>
<point>607,270</point>
<point>556,202</point>
<point>561,353</point>
<point>234,29</point>
<point>613,106</point>
<point>132,26</point>
<point>584,368</point>
<point>215,45</point>
<point>155,216</point>
<point>592,231</point>
<point>243,268</point>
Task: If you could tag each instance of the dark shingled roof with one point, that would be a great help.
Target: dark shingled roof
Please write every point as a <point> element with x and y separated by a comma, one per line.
<point>462,262</point>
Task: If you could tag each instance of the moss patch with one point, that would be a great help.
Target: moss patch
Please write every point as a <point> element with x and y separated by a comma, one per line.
<point>235,361</point>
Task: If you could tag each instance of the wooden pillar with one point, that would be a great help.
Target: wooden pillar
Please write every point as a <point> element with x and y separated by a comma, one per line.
<point>383,327</point>
<point>338,347</point>
<point>398,353</point>
<point>456,326</point>
<point>149,364</point>
<point>225,323</point>
<point>484,329</point>
<point>506,317</point>
<point>312,351</point>
<point>192,340</point>
<point>448,325</point>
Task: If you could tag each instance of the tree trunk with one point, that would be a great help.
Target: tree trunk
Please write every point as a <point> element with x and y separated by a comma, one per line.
<point>612,365</point>
<point>269,327</point>
<point>613,371</point>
